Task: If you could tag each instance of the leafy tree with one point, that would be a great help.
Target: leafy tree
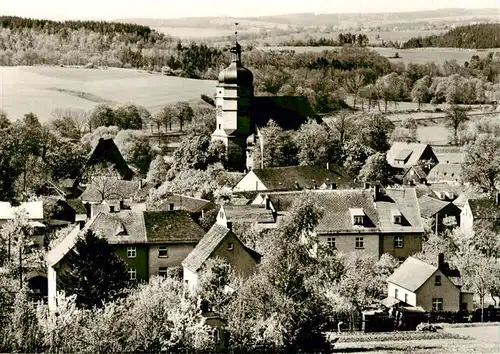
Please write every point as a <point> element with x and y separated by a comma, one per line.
<point>376,168</point>
<point>95,274</point>
<point>184,113</point>
<point>279,148</point>
<point>198,152</point>
<point>353,81</point>
<point>103,115</point>
<point>158,170</point>
<point>407,132</point>
<point>354,157</point>
<point>4,120</point>
<point>129,117</point>
<point>166,116</point>
<point>135,148</point>
<point>343,125</point>
<point>315,145</point>
<point>373,132</point>
<point>71,123</point>
<point>481,167</point>
<point>456,117</point>
<point>420,91</point>
<point>92,139</point>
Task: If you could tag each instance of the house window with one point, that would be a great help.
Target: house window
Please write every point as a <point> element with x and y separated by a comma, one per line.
<point>221,214</point>
<point>230,246</point>
<point>162,271</point>
<point>358,220</point>
<point>220,126</point>
<point>131,252</point>
<point>398,241</point>
<point>412,172</point>
<point>437,304</point>
<point>406,298</point>
<point>132,273</point>
<point>396,293</point>
<point>331,241</point>
<point>397,219</point>
<point>111,208</point>
<point>437,280</point>
<point>360,242</point>
<point>163,252</point>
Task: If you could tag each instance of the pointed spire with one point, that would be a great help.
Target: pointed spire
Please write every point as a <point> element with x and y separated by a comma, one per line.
<point>236,50</point>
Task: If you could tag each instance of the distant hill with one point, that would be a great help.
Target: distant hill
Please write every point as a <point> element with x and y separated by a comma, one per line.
<point>480,36</point>
<point>311,19</point>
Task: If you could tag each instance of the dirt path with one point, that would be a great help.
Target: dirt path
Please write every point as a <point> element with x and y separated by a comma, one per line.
<point>487,334</point>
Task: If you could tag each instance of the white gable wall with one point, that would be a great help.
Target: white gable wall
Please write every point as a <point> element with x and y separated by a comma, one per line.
<point>401,292</point>
<point>249,183</point>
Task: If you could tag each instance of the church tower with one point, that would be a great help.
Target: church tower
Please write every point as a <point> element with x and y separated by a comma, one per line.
<point>233,99</point>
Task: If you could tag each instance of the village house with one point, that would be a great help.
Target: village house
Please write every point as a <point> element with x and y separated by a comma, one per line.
<point>434,211</point>
<point>258,216</point>
<point>441,191</point>
<point>476,211</point>
<point>437,289</point>
<point>174,201</point>
<point>221,242</point>
<point>293,178</point>
<point>446,173</point>
<point>62,212</point>
<point>404,155</point>
<point>34,212</point>
<point>150,243</point>
<point>414,175</point>
<point>371,220</point>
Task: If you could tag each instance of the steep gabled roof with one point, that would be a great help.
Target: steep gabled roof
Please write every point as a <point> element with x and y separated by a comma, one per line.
<point>63,246</point>
<point>205,247</point>
<point>431,206</point>
<point>208,244</point>
<point>285,178</point>
<point>412,274</point>
<point>77,206</point>
<point>106,151</point>
<point>419,171</point>
<point>171,227</point>
<point>411,153</point>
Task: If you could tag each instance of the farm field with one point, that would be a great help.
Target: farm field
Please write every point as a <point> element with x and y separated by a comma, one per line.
<point>196,32</point>
<point>418,56</point>
<point>480,339</point>
<point>41,89</point>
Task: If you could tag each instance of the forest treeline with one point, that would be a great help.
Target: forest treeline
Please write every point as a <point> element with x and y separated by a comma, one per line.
<point>325,78</point>
<point>360,40</point>
<point>478,36</point>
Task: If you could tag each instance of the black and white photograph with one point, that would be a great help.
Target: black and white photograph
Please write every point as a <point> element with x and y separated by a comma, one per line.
<point>249,177</point>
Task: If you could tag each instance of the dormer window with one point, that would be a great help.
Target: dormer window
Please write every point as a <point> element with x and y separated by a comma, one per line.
<point>357,215</point>
<point>396,217</point>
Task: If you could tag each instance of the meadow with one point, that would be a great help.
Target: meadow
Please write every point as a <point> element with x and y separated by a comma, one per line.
<point>41,89</point>
<point>417,56</point>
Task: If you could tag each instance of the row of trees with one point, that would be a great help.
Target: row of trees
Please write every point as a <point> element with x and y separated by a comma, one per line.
<point>360,40</point>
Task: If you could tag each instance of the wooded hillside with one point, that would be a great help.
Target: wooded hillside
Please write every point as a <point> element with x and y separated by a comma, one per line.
<point>475,37</point>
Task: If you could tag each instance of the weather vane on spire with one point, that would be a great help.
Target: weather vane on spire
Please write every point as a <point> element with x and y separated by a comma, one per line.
<point>236,31</point>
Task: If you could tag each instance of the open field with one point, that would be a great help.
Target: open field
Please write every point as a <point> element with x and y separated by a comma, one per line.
<point>418,56</point>
<point>41,89</point>
<point>198,32</point>
<point>482,339</point>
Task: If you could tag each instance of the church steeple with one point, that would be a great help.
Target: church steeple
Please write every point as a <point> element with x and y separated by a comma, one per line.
<point>236,50</point>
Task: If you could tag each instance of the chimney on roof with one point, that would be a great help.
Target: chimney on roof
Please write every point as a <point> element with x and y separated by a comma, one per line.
<point>377,191</point>
<point>441,261</point>
<point>230,225</point>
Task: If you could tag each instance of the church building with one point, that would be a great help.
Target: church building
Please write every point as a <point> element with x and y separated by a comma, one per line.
<point>240,114</point>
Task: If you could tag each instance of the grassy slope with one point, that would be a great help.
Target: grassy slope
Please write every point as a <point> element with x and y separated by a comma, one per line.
<point>42,89</point>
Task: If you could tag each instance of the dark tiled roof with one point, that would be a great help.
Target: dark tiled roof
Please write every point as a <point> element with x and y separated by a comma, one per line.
<point>171,226</point>
<point>430,206</point>
<point>445,172</point>
<point>191,204</point>
<point>77,205</point>
<point>248,214</point>
<point>205,247</point>
<point>484,208</point>
<point>115,189</point>
<point>284,178</point>
<point>106,151</point>
<point>289,112</point>
<point>412,274</point>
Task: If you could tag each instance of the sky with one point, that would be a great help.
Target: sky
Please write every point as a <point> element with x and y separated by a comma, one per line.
<point>115,9</point>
